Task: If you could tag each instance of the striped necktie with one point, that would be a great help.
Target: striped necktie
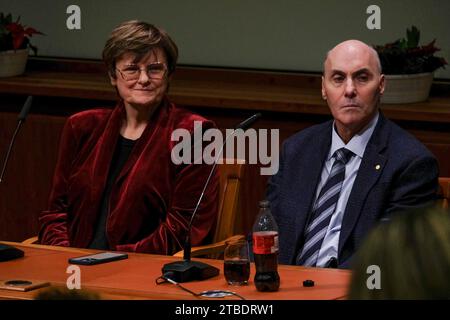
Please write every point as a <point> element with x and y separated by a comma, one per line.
<point>323,209</point>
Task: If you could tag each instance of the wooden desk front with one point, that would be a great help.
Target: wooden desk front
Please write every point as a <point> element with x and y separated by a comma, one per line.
<point>134,278</point>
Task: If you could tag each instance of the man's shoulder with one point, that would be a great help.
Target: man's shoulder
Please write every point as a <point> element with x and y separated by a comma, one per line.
<point>403,143</point>
<point>308,135</point>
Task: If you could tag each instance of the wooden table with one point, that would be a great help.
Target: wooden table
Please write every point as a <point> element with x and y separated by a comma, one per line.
<point>134,278</point>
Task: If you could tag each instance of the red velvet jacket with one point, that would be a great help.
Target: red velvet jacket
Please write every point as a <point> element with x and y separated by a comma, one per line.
<point>152,199</point>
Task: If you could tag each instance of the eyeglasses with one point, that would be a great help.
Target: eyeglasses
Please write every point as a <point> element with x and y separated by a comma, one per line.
<point>156,70</point>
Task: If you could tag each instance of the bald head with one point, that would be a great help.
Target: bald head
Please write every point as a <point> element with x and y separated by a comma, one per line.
<point>351,49</point>
<point>352,85</point>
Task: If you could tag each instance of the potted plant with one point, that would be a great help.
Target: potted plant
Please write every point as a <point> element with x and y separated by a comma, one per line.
<point>14,45</point>
<point>408,68</point>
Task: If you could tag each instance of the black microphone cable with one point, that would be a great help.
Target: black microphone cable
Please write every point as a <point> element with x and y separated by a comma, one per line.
<point>206,294</point>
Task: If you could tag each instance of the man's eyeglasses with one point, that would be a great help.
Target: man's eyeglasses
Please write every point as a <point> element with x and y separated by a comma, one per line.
<point>154,71</point>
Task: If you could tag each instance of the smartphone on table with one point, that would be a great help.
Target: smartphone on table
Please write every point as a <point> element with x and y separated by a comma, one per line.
<point>98,258</point>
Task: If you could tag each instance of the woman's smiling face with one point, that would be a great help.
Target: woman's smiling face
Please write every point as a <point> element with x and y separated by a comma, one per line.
<point>143,91</point>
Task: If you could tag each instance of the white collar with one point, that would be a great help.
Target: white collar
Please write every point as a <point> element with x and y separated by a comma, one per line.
<point>357,143</point>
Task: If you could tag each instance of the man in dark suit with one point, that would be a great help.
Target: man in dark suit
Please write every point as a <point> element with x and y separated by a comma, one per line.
<point>338,179</point>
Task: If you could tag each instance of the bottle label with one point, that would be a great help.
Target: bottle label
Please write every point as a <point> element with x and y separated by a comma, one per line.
<point>265,242</point>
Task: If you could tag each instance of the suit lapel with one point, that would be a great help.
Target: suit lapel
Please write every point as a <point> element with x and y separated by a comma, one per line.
<point>309,168</point>
<point>104,151</point>
<point>372,165</point>
<point>106,145</point>
<point>157,120</point>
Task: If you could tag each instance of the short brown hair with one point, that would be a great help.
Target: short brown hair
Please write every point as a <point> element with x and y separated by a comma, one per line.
<point>139,38</point>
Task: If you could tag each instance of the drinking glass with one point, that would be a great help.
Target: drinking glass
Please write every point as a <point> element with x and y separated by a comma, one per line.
<point>236,266</point>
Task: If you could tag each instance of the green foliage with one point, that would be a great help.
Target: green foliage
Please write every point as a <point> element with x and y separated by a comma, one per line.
<point>405,56</point>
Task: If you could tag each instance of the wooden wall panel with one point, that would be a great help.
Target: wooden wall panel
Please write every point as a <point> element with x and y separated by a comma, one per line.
<point>24,190</point>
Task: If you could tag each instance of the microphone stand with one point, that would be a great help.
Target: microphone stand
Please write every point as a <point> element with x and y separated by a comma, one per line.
<point>188,270</point>
<point>9,252</point>
<point>21,119</point>
<point>11,144</point>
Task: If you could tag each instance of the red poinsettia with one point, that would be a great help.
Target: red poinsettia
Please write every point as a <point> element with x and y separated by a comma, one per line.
<point>19,33</point>
<point>14,35</point>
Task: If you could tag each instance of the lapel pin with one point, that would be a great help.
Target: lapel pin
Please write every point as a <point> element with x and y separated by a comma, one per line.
<point>377,167</point>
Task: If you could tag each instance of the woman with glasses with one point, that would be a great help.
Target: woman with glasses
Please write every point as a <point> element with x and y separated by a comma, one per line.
<point>115,185</point>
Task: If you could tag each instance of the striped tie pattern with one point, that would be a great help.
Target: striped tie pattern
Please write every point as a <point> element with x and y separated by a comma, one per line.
<point>323,209</point>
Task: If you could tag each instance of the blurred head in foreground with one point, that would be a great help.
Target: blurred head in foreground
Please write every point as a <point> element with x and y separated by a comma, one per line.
<point>412,252</point>
<point>62,293</point>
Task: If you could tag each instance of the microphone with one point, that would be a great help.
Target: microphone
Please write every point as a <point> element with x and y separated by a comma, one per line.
<point>20,120</point>
<point>9,252</point>
<point>25,109</point>
<point>187,270</point>
<point>244,125</point>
